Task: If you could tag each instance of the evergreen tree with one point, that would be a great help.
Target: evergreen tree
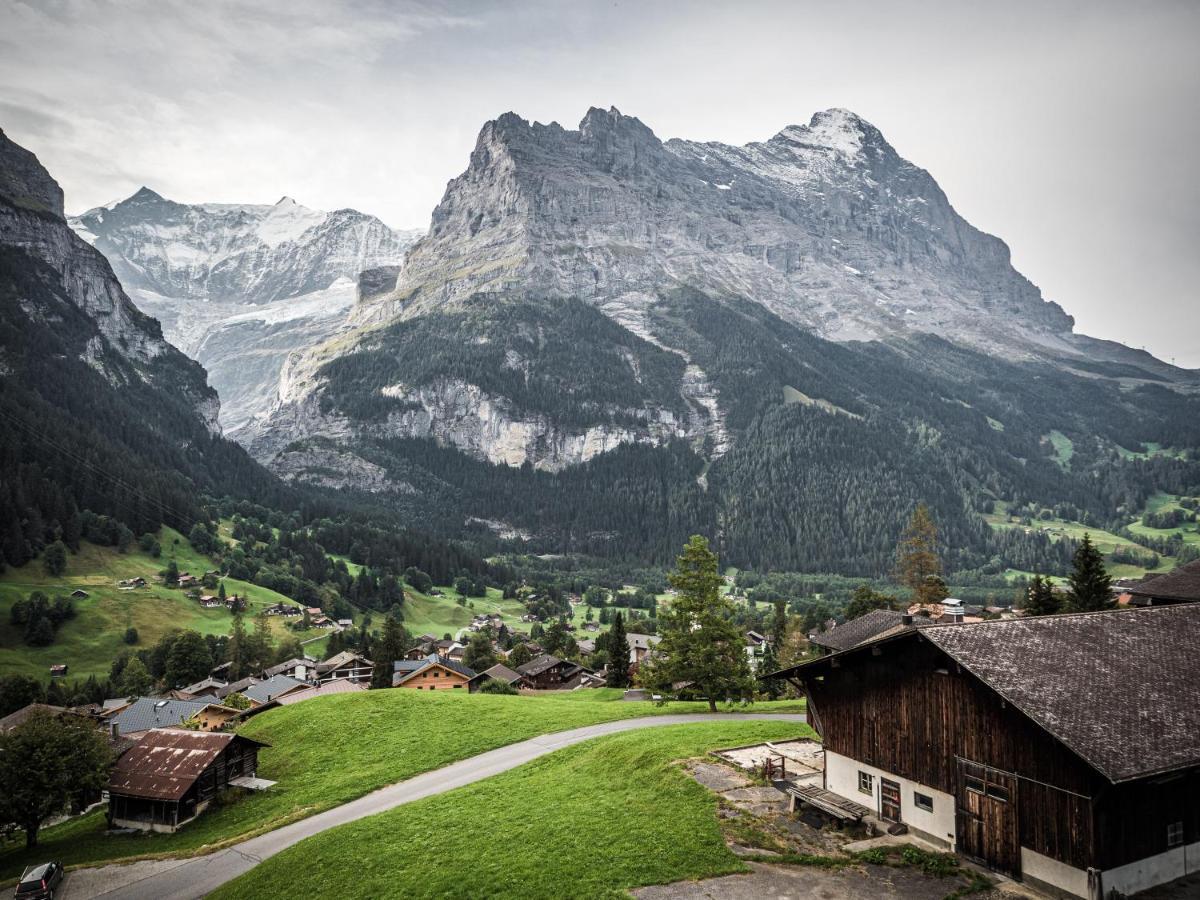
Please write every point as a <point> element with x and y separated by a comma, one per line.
<point>865,600</point>
<point>1041,598</point>
<point>772,687</point>
<point>54,560</point>
<point>618,654</point>
<point>187,660</point>
<point>388,649</point>
<point>917,556</point>
<point>519,655</point>
<point>135,679</point>
<point>779,623</point>
<point>479,654</point>
<point>700,642</point>
<point>235,649</point>
<point>1090,584</point>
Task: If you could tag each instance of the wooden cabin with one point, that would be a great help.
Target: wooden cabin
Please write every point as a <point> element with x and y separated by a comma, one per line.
<point>1060,750</point>
<point>433,673</point>
<point>171,775</point>
<point>549,673</point>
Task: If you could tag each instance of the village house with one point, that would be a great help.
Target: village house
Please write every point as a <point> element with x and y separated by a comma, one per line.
<point>430,674</point>
<point>302,668</point>
<point>346,664</point>
<point>186,581</point>
<point>640,646</point>
<point>340,686</point>
<point>148,713</point>
<point>208,601</point>
<point>272,689</point>
<point>283,609</point>
<point>170,776</point>
<point>1181,585</point>
<point>79,594</point>
<point>866,627</point>
<point>498,672</point>
<point>1062,750</point>
<point>549,673</point>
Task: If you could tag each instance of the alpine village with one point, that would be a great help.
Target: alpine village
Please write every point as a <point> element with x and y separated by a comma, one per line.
<point>668,519</point>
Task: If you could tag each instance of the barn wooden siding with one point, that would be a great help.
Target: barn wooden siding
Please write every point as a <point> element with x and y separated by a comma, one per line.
<point>911,711</point>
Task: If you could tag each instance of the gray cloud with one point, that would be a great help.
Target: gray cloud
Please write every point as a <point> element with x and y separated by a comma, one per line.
<point>1067,128</point>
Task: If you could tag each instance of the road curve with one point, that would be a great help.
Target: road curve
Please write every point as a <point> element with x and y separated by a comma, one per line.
<point>190,879</point>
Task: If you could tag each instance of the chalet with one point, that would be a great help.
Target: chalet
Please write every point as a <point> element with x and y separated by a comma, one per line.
<point>132,582</point>
<point>272,689</point>
<point>322,622</point>
<point>208,601</point>
<point>59,670</point>
<point>237,687</point>
<point>299,667</point>
<point>345,623</point>
<point>640,646</point>
<point>22,715</point>
<point>235,604</point>
<point>498,672</point>
<point>283,609</point>
<point>346,664</point>
<point>549,673</point>
<point>867,627</point>
<point>1062,750</point>
<point>586,645</point>
<point>756,649</point>
<point>185,580</point>
<point>314,612</point>
<point>171,775</point>
<point>205,687</point>
<point>1182,585</point>
<point>79,594</point>
<point>148,713</point>
<point>432,673</point>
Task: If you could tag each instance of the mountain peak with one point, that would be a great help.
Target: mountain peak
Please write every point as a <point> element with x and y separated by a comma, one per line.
<point>285,201</point>
<point>24,180</point>
<point>834,129</point>
<point>145,195</point>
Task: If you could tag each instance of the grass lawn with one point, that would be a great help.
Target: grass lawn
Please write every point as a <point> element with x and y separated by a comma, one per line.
<point>333,749</point>
<point>437,615</point>
<point>89,642</point>
<point>1105,541</point>
<point>589,821</point>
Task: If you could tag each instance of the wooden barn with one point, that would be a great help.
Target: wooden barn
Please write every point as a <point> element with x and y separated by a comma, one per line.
<point>171,775</point>
<point>1061,750</point>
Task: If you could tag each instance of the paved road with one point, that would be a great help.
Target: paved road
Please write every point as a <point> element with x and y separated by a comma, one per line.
<point>194,878</point>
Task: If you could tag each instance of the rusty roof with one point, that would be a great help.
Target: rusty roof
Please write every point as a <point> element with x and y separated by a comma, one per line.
<point>166,762</point>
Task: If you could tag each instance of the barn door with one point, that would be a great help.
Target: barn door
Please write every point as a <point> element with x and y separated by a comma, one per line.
<point>889,800</point>
<point>987,817</point>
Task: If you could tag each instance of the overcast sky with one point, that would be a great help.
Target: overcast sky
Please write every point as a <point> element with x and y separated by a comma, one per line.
<point>1069,129</point>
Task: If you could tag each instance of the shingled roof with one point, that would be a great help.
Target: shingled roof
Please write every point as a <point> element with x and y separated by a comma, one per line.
<point>1181,584</point>
<point>864,628</point>
<point>1121,689</point>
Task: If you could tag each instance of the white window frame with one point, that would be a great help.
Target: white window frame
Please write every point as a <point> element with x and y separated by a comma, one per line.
<point>867,779</point>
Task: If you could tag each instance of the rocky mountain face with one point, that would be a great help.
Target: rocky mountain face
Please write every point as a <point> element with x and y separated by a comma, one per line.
<point>239,287</point>
<point>125,343</point>
<point>100,412</point>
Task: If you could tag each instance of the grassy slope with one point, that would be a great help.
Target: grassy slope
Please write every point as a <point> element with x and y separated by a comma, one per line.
<point>440,614</point>
<point>588,821</point>
<point>90,641</point>
<point>333,749</point>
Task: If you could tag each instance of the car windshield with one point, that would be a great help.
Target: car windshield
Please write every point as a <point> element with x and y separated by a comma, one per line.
<point>33,878</point>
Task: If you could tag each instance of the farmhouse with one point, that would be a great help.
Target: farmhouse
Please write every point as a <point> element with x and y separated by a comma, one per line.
<point>148,713</point>
<point>346,664</point>
<point>170,776</point>
<point>1181,585</point>
<point>498,672</point>
<point>866,627</point>
<point>640,646</point>
<point>1063,750</point>
<point>431,673</point>
<point>272,689</point>
<point>549,673</point>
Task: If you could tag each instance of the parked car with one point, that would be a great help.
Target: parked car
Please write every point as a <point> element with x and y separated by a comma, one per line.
<point>40,882</point>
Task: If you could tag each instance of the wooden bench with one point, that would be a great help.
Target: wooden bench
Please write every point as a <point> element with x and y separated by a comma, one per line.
<point>827,802</point>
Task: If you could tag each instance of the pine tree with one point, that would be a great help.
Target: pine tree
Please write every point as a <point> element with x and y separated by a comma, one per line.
<point>1041,598</point>
<point>779,624</point>
<point>618,654</point>
<point>1090,585</point>
<point>700,642</point>
<point>917,558</point>
<point>235,651</point>
<point>772,687</point>
<point>388,649</point>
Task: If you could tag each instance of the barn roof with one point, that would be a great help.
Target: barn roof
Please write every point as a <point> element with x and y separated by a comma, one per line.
<point>499,672</point>
<point>538,665</point>
<point>864,628</point>
<point>1182,583</point>
<point>1118,688</point>
<point>166,762</point>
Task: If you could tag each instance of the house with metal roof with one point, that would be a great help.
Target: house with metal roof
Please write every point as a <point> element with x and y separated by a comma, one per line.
<point>498,672</point>
<point>1062,750</point>
<point>866,627</point>
<point>431,673</point>
<point>170,776</point>
<point>346,664</point>
<point>272,689</point>
<point>146,713</point>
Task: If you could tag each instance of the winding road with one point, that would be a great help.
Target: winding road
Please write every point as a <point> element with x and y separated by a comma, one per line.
<point>188,879</point>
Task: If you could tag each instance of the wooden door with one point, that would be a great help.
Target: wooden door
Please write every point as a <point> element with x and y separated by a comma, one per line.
<point>987,817</point>
<point>889,800</point>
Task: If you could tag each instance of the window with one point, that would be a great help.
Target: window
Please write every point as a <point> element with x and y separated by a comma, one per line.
<point>922,801</point>
<point>1174,834</point>
<point>997,793</point>
<point>974,785</point>
<point>866,783</point>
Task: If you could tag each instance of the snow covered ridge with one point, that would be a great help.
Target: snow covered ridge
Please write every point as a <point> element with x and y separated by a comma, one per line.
<point>250,253</point>
<point>240,286</point>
